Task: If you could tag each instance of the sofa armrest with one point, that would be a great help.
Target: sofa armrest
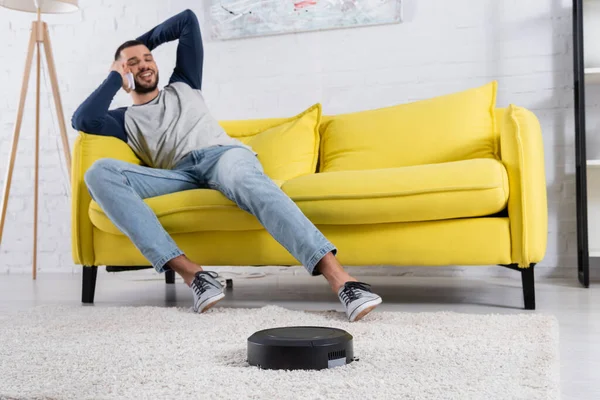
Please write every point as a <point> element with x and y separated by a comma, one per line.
<point>522,153</point>
<point>87,149</point>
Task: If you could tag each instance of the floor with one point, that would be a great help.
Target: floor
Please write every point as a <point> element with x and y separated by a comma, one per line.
<point>577,309</point>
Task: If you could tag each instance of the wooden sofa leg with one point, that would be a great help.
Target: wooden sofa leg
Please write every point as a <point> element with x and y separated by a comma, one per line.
<point>527,278</point>
<point>88,287</point>
<point>170,276</point>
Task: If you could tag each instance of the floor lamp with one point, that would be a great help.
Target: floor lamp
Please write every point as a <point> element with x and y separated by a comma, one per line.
<point>39,38</point>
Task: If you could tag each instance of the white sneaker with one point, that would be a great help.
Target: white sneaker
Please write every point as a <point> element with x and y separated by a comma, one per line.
<point>207,290</point>
<point>358,299</point>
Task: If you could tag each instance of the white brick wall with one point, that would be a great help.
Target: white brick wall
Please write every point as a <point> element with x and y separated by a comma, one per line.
<point>443,46</point>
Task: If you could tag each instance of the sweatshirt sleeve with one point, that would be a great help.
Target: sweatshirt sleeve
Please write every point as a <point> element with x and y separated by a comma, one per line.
<point>93,115</point>
<point>190,51</point>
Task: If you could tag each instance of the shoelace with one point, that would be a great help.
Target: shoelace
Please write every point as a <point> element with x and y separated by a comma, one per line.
<point>353,291</point>
<point>201,284</point>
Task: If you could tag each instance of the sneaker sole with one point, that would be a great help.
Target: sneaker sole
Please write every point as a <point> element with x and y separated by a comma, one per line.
<point>364,309</point>
<point>211,302</point>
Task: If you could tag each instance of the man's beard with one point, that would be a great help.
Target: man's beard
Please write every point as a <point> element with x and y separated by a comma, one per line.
<point>140,89</point>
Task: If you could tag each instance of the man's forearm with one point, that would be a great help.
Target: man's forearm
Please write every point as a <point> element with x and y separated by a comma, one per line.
<point>190,51</point>
<point>169,30</point>
<point>91,114</point>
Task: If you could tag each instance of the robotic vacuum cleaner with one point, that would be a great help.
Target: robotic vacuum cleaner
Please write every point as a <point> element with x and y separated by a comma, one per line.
<point>300,347</point>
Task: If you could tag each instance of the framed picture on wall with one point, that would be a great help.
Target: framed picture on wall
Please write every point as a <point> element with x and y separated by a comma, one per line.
<point>232,19</point>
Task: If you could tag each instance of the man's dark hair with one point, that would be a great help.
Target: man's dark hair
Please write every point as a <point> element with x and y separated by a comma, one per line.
<point>129,43</point>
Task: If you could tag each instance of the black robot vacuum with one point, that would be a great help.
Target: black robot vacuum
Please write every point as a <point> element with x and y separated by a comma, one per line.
<point>300,347</point>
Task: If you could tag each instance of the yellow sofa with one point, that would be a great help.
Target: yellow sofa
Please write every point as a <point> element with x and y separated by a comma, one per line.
<point>446,181</point>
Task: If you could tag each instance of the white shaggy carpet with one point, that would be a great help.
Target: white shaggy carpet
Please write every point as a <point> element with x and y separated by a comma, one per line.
<point>167,353</point>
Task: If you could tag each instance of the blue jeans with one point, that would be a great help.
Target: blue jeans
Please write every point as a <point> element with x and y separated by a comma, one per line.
<point>119,187</point>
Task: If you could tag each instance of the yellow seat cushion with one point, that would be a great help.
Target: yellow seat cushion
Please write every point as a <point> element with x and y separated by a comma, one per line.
<point>453,127</point>
<point>460,189</point>
<point>188,211</point>
<point>287,148</point>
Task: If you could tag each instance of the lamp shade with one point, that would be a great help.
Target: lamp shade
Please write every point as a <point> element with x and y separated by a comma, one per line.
<point>46,6</point>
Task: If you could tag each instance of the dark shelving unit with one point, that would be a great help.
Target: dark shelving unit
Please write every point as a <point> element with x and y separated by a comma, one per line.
<point>583,255</point>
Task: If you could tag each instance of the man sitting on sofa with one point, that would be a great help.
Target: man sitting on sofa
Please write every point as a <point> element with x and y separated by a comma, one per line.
<point>185,148</point>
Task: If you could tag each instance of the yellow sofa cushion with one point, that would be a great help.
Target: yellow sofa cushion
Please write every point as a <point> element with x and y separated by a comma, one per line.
<point>459,189</point>
<point>286,148</point>
<point>188,211</point>
<point>453,127</point>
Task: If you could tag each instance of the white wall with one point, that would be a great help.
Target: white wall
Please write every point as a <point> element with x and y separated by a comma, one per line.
<point>442,46</point>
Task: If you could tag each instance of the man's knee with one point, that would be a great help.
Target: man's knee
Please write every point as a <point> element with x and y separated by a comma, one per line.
<point>100,171</point>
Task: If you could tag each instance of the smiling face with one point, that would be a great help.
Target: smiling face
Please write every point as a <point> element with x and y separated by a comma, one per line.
<point>142,65</point>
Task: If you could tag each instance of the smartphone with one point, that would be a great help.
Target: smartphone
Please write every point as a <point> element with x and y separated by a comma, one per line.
<point>131,81</point>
